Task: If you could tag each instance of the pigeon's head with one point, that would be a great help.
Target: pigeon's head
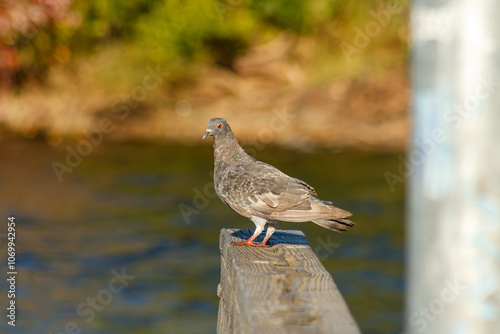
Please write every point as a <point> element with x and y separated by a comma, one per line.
<point>217,126</point>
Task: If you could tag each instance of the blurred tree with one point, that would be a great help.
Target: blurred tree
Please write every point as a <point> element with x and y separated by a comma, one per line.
<point>287,15</point>
<point>38,34</point>
<point>106,20</point>
<point>24,43</point>
<point>195,30</point>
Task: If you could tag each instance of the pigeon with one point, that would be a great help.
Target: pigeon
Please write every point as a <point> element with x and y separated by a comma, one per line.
<point>263,193</point>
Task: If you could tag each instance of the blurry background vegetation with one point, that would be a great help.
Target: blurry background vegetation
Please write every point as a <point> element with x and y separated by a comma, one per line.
<point>275,69</point>
<point>63,62</point>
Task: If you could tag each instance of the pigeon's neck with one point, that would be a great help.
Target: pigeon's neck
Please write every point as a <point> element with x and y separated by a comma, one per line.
<point>227,150</point>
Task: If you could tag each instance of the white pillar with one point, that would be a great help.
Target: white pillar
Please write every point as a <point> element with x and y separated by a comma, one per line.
<point>453,263</point>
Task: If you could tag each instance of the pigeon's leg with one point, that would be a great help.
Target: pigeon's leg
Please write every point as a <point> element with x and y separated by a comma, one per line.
<point>259,227</point>
<point>269,233</point>
<point>249,242</point>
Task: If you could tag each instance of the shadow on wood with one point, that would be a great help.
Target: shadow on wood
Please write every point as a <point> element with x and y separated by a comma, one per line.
<point>281,289</point>
<point>279,237</point>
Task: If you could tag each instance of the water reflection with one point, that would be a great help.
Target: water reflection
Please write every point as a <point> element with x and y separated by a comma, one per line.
<point>118,212</point>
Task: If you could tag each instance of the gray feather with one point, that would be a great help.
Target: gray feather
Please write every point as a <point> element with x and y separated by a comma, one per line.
<point>254,188</point>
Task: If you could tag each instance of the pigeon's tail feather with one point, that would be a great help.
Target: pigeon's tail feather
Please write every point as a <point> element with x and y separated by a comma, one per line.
<point>338,225</point>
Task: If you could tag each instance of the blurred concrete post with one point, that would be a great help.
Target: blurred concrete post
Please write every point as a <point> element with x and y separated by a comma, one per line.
<point>454,168</point>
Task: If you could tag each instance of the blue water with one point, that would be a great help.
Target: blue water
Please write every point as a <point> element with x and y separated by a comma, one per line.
<point>119,214</point>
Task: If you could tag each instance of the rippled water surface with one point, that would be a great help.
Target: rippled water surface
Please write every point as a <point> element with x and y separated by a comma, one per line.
<point>108,250</point>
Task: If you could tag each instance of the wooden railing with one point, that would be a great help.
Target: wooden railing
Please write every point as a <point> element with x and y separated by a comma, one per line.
<point>281,289</point>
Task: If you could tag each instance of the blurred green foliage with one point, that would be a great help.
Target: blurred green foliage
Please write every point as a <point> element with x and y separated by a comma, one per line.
<point>190,32</point>
<point>287,15</point>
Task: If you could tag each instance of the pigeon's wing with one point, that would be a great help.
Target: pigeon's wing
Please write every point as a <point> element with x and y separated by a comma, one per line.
<point>262,190</point>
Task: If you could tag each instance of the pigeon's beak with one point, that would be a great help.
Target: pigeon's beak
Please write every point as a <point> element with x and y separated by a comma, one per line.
<point>207,133</point>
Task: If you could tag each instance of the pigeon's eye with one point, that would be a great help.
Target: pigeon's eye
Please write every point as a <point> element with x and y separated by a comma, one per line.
<point>219,126</point>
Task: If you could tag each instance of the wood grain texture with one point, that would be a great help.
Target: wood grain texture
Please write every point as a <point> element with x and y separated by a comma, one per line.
<point>282,289</point>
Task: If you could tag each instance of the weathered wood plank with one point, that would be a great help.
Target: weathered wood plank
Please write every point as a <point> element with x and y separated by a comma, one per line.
<point>283,289</point>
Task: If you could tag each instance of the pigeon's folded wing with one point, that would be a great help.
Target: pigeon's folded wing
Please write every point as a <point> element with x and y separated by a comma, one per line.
<point>266,192</point>
<point>262,188</point>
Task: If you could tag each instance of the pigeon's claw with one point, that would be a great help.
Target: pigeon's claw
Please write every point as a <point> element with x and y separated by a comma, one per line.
<point>244,243</point>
